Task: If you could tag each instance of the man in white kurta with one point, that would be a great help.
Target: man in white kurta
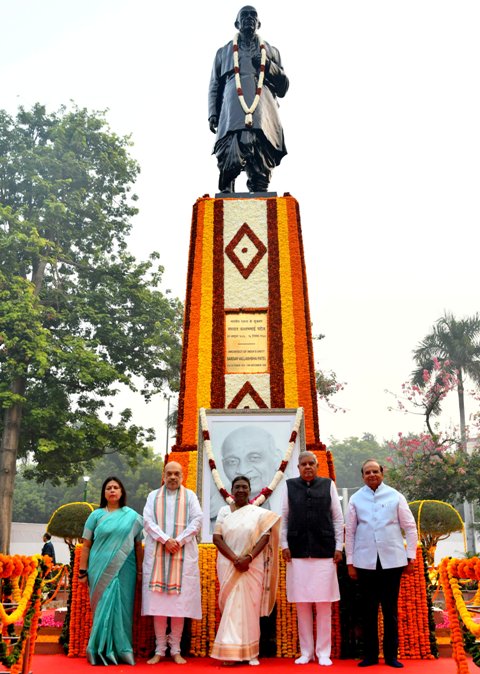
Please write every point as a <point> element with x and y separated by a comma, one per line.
<point>312,543</point>
<point>376,557</point>
<point>185,600</point>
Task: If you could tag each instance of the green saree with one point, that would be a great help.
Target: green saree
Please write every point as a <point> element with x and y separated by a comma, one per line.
<point>112,575</point>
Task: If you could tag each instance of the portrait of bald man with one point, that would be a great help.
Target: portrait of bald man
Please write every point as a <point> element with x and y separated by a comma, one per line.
<point>250,450</point>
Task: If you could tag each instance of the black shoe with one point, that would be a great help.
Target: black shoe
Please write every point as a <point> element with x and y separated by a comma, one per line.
<point>367,662</point>
<point>394,663</point>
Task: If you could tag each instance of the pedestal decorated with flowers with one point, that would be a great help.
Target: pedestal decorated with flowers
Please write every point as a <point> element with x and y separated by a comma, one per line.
<point>246,264</point>
<point>246,268</point>
<point>246,272</point>
<point>246,260</point>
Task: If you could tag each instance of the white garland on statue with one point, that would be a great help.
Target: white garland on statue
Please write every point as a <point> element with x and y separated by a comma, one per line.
<point>238,83</point>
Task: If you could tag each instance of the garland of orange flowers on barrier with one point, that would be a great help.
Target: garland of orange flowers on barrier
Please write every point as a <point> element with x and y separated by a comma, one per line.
<point>450,571</point>
<point>23,579</point>
<point>266,491</point>
<point>25,568</point>
<point>456,637</point>
<point>58,581</point>
<point>80,612</point>
<point>203,631</point>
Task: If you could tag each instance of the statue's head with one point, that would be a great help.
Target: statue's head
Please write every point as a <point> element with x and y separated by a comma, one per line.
<point>247,20</point>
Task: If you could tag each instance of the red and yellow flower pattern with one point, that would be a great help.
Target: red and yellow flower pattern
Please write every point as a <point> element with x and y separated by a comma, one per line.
<point>291,377</point>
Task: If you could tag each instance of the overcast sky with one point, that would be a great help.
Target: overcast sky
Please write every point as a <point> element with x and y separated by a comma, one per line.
<point>382,128</point>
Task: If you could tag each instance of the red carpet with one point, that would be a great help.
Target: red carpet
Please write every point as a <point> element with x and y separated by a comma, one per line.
<point>58,664</point>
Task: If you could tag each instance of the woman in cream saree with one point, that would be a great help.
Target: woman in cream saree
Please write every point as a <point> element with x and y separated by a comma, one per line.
<point>247,565</point>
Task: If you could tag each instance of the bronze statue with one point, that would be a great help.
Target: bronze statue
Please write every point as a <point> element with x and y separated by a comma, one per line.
<point>247,77</point>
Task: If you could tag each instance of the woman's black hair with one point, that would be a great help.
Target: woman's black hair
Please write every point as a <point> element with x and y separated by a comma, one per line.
<point>241,477</point>
<point>123,497</point>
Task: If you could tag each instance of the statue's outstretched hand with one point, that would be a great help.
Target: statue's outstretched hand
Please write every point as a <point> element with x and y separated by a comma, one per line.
<point>213,123</point>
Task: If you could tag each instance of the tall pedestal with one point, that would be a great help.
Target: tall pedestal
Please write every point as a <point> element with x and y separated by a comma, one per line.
<point>247,333</point>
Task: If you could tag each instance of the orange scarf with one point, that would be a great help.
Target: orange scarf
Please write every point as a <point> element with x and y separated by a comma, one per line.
<point>168,569</point>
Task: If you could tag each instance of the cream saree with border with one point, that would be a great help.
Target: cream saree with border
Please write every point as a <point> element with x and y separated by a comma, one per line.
<point>244,597</point>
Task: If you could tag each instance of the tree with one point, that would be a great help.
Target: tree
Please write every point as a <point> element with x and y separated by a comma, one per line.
<point>349,454</point>
<point>34,502</point>
<point>327,386</point>
<point>78,314</point>
<point>436,520</point>
<point>427,398</point>
<point>456,343</point>
<point>421,467</point>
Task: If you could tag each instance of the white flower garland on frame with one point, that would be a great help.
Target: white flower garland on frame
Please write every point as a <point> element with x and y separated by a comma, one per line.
<point>266,491</point>
<point>238,83</point>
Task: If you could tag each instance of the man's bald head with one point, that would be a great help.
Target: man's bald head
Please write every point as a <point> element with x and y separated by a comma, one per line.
<point>173,475</point>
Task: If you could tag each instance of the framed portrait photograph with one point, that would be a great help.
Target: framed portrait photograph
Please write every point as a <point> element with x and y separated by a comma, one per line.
<point>250,442</point>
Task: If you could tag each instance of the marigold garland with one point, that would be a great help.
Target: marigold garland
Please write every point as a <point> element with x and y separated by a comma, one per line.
<point>23,579</point>
<point>55,583</point>
<point>413,613</point>
<point>80,612</point>
<point>29,569</point>
<point>450,572</point>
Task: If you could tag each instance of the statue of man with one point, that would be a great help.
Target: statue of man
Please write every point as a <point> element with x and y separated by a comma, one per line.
<point>247,77</point>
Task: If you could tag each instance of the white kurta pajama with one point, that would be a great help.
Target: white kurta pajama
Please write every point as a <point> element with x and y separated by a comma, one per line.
<point>187,603</point>
<point>312,580</point>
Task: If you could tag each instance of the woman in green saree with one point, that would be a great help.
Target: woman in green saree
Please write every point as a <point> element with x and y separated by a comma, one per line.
<point>110,561</point>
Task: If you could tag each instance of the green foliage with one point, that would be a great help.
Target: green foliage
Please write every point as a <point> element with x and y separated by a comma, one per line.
<point>454,343</point>
<point>349,454</point>
<point>455,340</point>
<point>68,521</point>
<point>436,517</point>
<point>36,502</point>
<point>78,314</point>
<point>423,468</point>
